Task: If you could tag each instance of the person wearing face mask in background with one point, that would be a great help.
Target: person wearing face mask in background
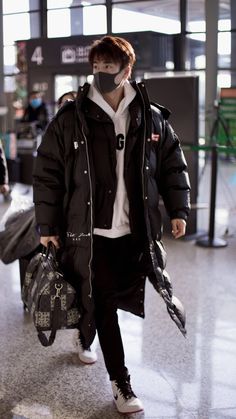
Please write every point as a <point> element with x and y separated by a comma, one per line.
<point>102,164</point>
<point>36,110</point>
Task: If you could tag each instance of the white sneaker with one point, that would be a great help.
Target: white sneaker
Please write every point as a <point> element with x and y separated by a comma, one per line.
<point>124,397</point>
<point>87,356</point>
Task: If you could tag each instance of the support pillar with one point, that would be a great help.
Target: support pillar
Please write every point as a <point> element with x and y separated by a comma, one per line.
<point>109,16</point>
<point>180,41</point>
<point>3,108</point>
<point>233,42</point>
<point>212,13</point>
<point>1,57</point>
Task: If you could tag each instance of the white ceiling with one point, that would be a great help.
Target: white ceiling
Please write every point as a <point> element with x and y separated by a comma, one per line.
<point>170,8</point>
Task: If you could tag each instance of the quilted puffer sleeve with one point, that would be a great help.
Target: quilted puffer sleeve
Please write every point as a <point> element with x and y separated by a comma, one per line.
<point>174,184</point>
<point>49,181</point>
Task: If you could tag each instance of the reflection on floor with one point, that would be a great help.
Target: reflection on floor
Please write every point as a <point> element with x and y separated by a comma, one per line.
<point>175,377</point>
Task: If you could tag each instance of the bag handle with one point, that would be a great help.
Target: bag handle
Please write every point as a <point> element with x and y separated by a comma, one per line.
<point>51,248</point>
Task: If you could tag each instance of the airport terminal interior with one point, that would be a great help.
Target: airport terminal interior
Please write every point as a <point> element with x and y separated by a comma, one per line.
<point>186,53</point>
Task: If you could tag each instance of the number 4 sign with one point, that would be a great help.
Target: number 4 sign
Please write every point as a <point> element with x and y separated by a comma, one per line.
<point>37,56</point>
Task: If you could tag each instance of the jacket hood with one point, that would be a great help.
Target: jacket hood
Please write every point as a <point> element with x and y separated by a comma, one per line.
<point>96,97</point>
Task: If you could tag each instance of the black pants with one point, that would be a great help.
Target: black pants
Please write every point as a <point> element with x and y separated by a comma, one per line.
<point>115,264</point>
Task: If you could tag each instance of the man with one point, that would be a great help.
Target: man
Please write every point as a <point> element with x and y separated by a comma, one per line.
<point>36,110</point>
<point>100,168</point>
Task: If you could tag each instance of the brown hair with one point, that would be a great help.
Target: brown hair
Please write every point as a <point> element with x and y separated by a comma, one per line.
<point>112,47</point>
<point>71,95</point>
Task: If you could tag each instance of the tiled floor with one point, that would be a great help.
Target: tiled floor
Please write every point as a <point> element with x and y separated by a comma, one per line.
<point>175,377</point>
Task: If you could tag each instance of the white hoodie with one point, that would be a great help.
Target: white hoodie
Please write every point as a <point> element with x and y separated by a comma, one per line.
<point>121,120</point>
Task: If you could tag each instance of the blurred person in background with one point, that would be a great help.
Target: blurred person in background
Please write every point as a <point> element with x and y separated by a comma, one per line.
<point>36,110</point>
<point>68,96</point>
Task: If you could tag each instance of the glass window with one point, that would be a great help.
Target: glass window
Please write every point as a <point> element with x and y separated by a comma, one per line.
<point>65,83</point>
<point>9,54</point>
<point>15,27</point>
<point>157,8</point>
<point>224,49</point>
<point>94,20</point>
<point>224,43</point>
<point>13,6</point>
<point>58,4</point>
<point>148,15</point>
<point>224,25</point>
<point>9,84</point>
<point>225,9</point>
<point>197,26</point>
<point>224,79</point>
<point>196,51</point>
<point>58,23</point>
<point>196,16</point>
<point>9,57</point>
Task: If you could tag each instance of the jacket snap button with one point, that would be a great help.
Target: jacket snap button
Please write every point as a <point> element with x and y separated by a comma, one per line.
<point>82,142</point>
<point>148,139</point>
<point>88,202</point>
<point>85,171</point>
<point>147,168</point>
<point>141,289</point>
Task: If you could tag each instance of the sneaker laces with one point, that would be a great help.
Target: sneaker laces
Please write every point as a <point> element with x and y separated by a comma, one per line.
<point>125,388</point>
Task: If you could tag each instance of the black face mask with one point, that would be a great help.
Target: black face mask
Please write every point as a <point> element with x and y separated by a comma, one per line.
<point>105,82</point>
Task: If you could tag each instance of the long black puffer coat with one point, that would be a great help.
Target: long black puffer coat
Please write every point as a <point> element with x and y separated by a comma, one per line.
<point>65,185</point>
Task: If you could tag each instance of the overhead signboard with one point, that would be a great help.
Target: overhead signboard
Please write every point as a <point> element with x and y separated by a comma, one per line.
<point>150,48</point>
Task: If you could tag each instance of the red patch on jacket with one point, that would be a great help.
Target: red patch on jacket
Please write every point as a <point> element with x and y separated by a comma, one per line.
<point>155,137</point>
